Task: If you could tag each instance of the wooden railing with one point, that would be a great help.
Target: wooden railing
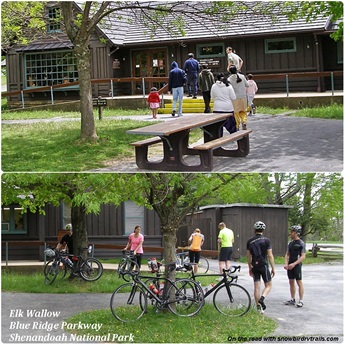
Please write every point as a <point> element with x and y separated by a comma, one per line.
<point>278,76</point>
<point>6,244</point>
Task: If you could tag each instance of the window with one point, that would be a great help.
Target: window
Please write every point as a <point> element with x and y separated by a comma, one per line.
<point>133,216</point>
<point>13,221</point>
<point>54,14</point>
<point>210,50</point>
<point>50,68</point>
<point>280,45</point>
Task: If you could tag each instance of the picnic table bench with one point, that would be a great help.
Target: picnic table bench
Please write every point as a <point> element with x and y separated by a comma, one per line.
<point>174,135</point>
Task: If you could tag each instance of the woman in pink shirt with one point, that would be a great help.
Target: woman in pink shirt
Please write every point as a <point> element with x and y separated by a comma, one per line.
<point>135,242</point>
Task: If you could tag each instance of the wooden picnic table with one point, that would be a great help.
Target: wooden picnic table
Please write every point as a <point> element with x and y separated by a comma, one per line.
<point>174,135</point>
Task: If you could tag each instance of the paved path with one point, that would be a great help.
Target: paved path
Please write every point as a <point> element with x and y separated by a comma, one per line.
<point>278,143</point>
<point>321,316</point>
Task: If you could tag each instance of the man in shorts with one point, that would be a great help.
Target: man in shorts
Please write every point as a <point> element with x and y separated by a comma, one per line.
<point>259,255</point>
<point>225,241</point>
<point>294,256</point>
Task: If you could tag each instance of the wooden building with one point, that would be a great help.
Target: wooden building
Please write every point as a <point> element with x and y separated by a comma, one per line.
<point>240,218</point>
<point>114,224</point>
<point>122,48</point>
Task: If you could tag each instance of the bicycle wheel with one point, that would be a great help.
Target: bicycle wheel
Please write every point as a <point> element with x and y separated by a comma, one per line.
<point>185,298</point>
<point>51,271</point>
<point>91,269</point>
<point>128,302</point>
<point>159,285</point>
<point>62,268</point>
<point>203,265</point>
<point>232,300</point>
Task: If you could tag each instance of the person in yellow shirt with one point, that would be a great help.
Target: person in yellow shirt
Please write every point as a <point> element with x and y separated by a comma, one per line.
<point>196,241</point>
<point>225,240</point>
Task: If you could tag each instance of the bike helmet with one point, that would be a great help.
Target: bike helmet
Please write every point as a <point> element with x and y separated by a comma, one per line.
<point>49,252</point>
<point>259,226</point>
<point>296,229</point>
<point>69,227</point>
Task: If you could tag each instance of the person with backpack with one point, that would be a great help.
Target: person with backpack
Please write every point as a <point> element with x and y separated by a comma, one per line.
<point>259,255</point>
<point>294,256</point>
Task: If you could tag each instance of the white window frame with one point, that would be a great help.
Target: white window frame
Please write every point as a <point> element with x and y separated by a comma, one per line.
<point>279,51</point>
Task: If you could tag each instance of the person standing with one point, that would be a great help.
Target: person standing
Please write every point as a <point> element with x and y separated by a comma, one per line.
<point>176,81</point>
<point>206,81</point>
<point>233,59</point>
<point>223,95</point>
<point>239,83</point>
<point>192,69</point>
<point>135,243</point>
<point>259,255</point>
<point>225,241</point>
<point>153,101</point>
<point>296,253</point>
<point>196,241</point>
<point>251,91</point>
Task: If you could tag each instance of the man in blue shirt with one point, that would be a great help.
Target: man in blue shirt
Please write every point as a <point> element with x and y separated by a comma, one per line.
<point>176,81</point>
<point>192,69</point>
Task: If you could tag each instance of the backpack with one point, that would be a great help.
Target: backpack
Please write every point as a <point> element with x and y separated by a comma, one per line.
<point>258,260</point>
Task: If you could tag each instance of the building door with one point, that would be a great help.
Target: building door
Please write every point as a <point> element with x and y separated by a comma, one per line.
<point>149,63</point>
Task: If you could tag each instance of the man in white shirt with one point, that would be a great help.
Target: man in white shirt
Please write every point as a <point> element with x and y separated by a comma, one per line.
<point>234,59</point>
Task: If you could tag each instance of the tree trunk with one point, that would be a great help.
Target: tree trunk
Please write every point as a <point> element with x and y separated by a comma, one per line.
<point>80,239</point>
<point>307,205</point>
<point>82,53</point>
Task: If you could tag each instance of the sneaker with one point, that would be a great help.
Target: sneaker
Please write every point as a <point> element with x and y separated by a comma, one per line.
<point>254,109</point>
<point>190,95</point>
<point>290,302</point>
<point>259,309</point>
<point>244,126</point>
<point>300,304</point>
<point>194,97</point>
<point>261,302</point>
<point>173,113</point>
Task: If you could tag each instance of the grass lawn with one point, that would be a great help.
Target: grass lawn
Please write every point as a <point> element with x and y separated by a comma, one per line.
<point>56,146</point>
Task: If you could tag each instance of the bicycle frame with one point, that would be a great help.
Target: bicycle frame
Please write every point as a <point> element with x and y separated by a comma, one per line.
<point>225,279</point>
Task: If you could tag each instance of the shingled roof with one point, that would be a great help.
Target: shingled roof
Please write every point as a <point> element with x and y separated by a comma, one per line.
<point>125,27</point>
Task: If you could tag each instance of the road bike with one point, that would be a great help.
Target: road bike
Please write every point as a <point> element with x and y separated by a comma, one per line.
<point>89,269</point>
<point>229,298</point>
<point>128,263</point>
<point>183,258</point>
<point>129,302</point>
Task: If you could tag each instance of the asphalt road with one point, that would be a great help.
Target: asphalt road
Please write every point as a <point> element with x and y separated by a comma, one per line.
<point>278,143</point>
<point>320,320</point>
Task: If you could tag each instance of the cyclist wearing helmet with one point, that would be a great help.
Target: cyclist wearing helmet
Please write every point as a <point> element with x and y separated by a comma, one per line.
<point>67,239</point>
<point>259,255</point>
<point>294,256</point>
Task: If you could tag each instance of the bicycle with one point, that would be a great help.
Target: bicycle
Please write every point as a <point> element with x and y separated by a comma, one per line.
<point>89,269</point>
<point>127,263</point>
<point>183,258</point>
<point>183,297</point>
<point>229,298</point>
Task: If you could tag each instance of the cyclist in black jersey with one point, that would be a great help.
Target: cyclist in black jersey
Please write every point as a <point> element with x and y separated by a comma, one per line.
<point>294,256</point>
<point>259,255</point>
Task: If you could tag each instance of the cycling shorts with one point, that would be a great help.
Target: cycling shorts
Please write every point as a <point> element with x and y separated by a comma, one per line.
<point>261,272</point>
<point>225,254</point>
<point>296,273</point>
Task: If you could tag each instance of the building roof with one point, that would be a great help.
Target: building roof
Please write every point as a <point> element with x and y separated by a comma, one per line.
<point>127,27</point>
<point>247,205</point>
